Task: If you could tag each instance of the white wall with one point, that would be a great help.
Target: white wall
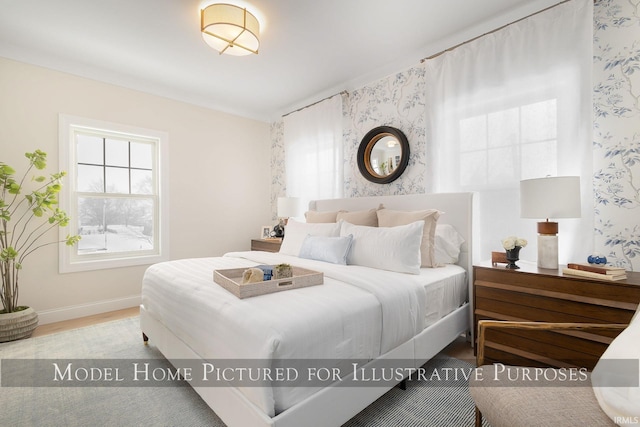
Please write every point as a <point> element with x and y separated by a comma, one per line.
<point>219,178</point>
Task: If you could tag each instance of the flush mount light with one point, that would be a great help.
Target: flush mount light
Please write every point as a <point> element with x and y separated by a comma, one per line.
<point>230,29</point>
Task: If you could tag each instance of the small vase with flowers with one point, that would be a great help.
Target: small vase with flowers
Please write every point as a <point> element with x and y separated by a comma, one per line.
<point>512,246</point>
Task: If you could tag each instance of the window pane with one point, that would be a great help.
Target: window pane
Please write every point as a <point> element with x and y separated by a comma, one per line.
<point>473,168</point>
<point>117,180</point>
<point>473,133</point>
<point>539,121</point>
<point>128,224</point>
<point>141,182</point>
<point>89,149</point>
<point>117,152</point>
<point>539,159</point>
<point>141,155</point>
<point>503,166</point>
<point>90,179</point>
<point>504,128</point>
<point>521,143</point>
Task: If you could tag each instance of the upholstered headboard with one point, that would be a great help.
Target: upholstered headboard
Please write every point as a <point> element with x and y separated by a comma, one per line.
<point>457,208</point>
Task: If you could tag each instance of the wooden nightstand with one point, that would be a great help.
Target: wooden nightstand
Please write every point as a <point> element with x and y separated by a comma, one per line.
<point>532,294</point>
<point>265,245</point>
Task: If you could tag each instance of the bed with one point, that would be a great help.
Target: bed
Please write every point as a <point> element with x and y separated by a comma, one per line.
<point>354,315</point>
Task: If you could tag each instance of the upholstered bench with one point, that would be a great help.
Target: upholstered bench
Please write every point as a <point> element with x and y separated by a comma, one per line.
<point>525,396</point>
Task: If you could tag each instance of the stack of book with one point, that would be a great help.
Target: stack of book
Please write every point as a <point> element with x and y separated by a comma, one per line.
<point>595,271</point>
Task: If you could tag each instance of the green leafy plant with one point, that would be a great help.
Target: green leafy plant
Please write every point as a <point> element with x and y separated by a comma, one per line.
<point>25,219</point>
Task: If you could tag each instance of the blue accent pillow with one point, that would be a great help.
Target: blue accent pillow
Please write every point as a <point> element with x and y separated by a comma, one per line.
<point>327,249</point>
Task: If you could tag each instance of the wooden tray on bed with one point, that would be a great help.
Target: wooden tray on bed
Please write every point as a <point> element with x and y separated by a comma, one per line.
<point>231,280</point>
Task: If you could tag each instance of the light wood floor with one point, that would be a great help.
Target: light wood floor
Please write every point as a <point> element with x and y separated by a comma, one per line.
<point>52,328</point>
<point>460,348</point>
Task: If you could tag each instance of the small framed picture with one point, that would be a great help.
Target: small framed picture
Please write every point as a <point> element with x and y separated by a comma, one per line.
<point>265,232</point>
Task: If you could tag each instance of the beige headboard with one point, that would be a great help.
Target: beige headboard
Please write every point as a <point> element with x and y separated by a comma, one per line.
<point>457,208</point>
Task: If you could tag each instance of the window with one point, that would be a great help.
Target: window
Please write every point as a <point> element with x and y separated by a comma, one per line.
<point>115,193</point>
<point>505,146</point>
<point>313,151</point>
<point>511,105</point>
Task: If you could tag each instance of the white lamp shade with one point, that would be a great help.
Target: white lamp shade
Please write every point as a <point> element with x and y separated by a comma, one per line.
<point>288,207</point>
<point>551,197</point>
<point>230,29</point>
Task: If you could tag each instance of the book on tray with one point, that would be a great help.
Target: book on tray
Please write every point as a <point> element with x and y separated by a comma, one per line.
<point>602,272</point>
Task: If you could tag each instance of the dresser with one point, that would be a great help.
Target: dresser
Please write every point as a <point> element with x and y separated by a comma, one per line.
<point>271,245</point>
<point>533,294</point>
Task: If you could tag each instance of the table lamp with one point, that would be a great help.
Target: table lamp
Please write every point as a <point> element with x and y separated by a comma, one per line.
<point>287,207</point>
<point>550,197</point>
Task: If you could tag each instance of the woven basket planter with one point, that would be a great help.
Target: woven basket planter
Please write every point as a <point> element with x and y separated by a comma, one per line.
<point>18,325</point>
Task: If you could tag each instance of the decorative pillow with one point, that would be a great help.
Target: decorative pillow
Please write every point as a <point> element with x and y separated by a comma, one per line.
<point>295,233</point>
<point>616,376</point>
<point>368,218</point>
<point>386,248</point>
<point>315,216</point>
<point>328,249</point>
<point>391,218</point>
<point>448,243</point>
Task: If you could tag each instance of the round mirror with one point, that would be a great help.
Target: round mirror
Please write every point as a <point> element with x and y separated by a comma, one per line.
<point>383,154</point>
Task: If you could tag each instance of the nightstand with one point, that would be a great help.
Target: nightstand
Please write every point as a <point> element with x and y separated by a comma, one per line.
<point>266,245</point>
<point>541,295</point>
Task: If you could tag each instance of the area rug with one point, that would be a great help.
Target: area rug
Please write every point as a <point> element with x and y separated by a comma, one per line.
<point>419,405</point>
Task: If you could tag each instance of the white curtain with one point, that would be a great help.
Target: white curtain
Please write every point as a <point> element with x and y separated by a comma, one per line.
<point>314,152</point>
<point>513,105</point>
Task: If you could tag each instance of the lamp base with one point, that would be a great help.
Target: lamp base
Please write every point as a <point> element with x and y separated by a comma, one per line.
<point>548,251</point>
<point>278,229</point>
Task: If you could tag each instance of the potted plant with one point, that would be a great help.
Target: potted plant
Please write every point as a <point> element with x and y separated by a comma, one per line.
<point>26,216</point>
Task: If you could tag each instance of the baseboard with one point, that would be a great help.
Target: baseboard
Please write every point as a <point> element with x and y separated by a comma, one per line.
<point>83,310</point>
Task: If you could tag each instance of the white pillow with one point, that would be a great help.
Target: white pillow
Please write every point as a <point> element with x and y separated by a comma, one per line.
<point>386,248</point>
<point>328,249</point>
<point>448,243</point>
<point>615,373</point>
<point>295,233</point>
<point>392,218</point>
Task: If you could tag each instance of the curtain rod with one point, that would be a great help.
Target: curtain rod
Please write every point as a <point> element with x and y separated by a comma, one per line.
<point>491,32</point>
<point>344,92</point>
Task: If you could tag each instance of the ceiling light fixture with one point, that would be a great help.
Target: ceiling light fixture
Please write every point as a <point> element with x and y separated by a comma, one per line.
<point>230,29</point>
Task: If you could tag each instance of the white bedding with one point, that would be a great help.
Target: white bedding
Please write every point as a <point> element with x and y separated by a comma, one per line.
<point>358,313</point>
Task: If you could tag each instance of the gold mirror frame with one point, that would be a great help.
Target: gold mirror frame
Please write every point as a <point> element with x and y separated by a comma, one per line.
<point>365,163</point>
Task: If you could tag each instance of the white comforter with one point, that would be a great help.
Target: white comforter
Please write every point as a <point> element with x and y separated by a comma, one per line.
<point>358,313</point>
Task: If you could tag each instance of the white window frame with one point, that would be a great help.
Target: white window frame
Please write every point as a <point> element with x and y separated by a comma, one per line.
<point>69,261</point>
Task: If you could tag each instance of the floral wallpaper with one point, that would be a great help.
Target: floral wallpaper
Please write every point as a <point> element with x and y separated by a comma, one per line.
<point>399,101</point>
<point>278,176</point>
<point>616,131</point>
